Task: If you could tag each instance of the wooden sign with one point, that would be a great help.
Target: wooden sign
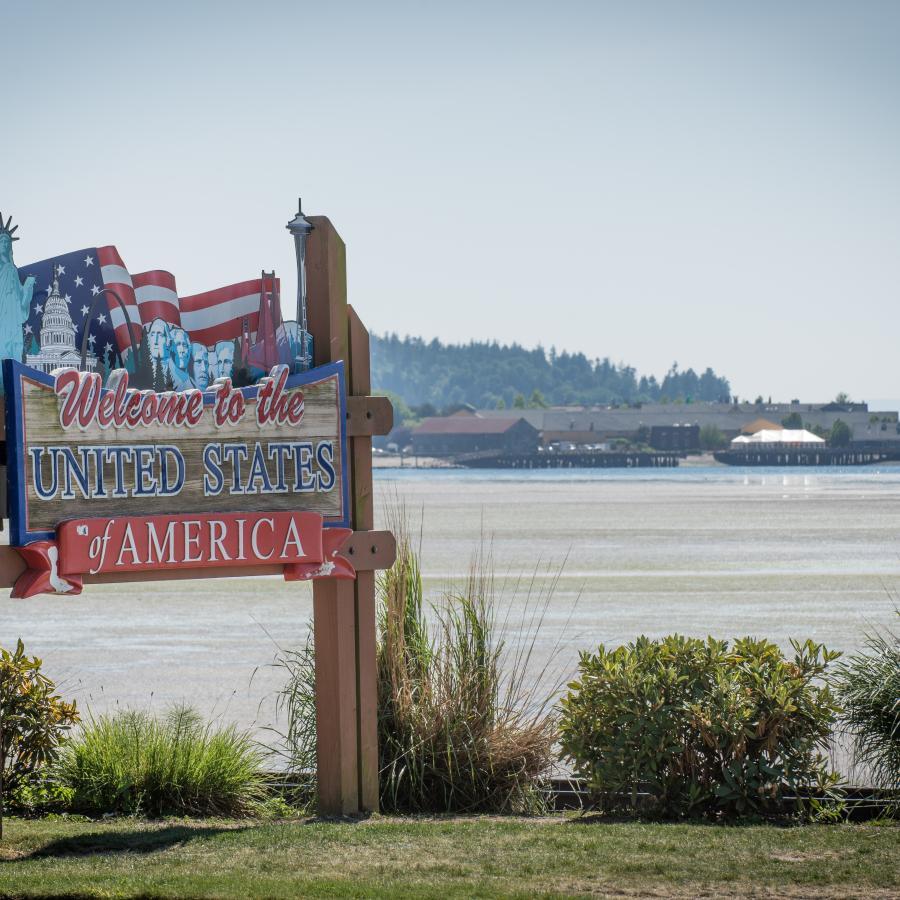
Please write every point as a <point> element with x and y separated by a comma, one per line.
<point>118,484</point>
<point>119,479</point>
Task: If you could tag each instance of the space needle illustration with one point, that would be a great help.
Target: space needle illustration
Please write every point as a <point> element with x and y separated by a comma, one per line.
<point>300,227</point>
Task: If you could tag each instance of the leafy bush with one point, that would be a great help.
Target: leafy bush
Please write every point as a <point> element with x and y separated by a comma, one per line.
<point>711,438</point>
<point>132,763</point>
<point>686,726</point>
<point>34,719</point>
<point>868,685</point>
<point>39,795</point>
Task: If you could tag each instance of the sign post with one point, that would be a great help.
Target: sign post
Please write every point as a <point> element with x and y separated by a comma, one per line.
<point>113,482</point>
<point>344,612</point>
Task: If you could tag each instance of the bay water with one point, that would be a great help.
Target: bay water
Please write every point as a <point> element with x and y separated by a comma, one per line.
<point>580,557</point>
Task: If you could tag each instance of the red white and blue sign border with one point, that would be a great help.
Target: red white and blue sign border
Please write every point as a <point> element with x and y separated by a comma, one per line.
<point>14,373</point>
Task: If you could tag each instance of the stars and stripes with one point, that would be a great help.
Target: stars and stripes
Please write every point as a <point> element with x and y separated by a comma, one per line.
<point>226,313</point>
<point>79,283</point>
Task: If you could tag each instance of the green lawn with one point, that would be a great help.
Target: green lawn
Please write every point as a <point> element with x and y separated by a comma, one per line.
<point>460,857</point>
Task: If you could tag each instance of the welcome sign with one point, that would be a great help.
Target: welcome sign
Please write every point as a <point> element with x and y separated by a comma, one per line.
<point>106,479</point>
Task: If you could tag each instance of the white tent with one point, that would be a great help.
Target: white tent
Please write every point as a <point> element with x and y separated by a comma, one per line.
<point>779,436</point>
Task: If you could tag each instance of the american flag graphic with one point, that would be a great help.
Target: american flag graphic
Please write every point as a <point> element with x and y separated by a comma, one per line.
<point>226,313</point>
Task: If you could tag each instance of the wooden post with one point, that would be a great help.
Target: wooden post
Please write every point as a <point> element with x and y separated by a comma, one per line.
<point>344,612</point>
<point>363,519</point>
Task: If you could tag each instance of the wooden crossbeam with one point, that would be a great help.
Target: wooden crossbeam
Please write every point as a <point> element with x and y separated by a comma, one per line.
<point>366,550</point>
<point>369,415</point>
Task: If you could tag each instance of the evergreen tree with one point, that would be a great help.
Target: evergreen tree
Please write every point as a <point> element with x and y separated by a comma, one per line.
<point>240,373</point>
<point>479,373</point>
<point>158,383</point>
<point>841,434</point>
<point>143,366</point>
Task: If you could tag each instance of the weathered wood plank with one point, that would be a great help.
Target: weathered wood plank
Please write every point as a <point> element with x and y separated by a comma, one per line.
<point>370,550</point>
<point>326,280</point>
<point>334,605</point>
<point>359,383</point>
<point>334,618</point>
<point>367,690</point>
<point>363,517</point>
<point>369,415</point>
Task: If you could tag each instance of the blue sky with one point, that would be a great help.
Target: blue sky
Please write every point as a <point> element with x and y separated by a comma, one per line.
<point>712,183</point>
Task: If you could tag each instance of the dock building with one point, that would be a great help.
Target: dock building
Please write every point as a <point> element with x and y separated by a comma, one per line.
<point>678,426</point>
<point>474,433</point>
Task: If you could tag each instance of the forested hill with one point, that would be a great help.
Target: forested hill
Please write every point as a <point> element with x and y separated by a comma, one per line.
<point>492,374</point>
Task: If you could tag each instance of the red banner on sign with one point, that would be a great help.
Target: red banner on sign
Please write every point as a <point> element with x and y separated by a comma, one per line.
<point>296,541</point>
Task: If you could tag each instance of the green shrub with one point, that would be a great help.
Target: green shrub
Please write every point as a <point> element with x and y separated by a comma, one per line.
<point>868,685</point>
<point>34,720</point>
<point>39,795</point>
<point>711,438</point>
<point>131,762</point>
<point>683,726</point>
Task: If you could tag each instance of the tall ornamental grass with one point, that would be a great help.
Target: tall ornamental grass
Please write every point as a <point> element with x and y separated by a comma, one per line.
<point>132,762</point>
<point>868,685</point>
<point>296,701</point>
<point>462,716</point>
<point>459,728</point>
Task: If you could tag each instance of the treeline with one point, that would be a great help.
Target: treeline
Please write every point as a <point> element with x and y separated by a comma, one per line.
<point>490,375</point>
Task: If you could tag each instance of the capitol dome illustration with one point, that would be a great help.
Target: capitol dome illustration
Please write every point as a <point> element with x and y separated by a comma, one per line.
<point>57,337</point>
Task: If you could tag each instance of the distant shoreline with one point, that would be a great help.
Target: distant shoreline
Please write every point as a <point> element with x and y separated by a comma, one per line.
<point>695,461</point>
<point>395,461</point>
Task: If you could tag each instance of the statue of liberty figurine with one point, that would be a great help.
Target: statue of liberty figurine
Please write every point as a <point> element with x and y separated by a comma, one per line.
<point>15,297</point>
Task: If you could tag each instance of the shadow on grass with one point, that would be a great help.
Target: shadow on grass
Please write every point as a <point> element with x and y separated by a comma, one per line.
<point>148,840</point>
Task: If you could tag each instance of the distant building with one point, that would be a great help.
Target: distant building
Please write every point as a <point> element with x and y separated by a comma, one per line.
<point>777,437</point>
<point>583,425</point>
<point>675,437</point>
<point>453,435</point>
<point>759,425</point>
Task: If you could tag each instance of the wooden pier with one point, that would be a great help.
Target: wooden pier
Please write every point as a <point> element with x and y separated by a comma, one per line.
<point>569,459</point>
<point>824,456</point>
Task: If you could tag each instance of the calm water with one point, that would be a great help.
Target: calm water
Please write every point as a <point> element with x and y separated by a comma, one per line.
<point>776,553</point>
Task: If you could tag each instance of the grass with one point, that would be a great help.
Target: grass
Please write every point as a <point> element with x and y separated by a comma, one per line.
<point>132,763</point>
<point>444,857</point>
